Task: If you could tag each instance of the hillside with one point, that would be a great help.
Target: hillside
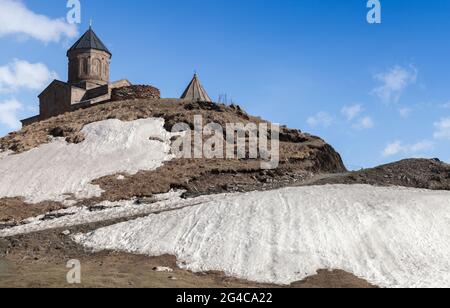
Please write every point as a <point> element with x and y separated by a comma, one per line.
<point>301,155</point>
<point>101,185</point>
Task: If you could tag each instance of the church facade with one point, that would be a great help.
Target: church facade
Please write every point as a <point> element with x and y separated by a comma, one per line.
<point>89,82</point>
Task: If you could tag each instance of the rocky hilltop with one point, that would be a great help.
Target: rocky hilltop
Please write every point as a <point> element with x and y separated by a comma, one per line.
<point>430,174</point>
<point>301,155</point>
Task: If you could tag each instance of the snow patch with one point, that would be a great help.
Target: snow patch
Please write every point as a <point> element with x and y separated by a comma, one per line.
<point>163,269</point>
<point>392,237</point>
<point>60,171</point>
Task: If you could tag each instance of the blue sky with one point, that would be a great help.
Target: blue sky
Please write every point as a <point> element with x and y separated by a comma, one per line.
<point>377,93</point>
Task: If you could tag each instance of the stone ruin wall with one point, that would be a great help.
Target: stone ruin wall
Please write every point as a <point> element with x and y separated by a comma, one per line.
<point>135,92</point>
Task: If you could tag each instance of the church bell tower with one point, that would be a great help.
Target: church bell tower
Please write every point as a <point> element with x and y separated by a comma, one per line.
<point>89,61</point>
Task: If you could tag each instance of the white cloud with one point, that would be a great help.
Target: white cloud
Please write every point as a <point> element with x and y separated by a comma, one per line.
<point>397,147</point>
<point>22,74</point>
<point>364,123</point>
<point>445,105</point>
<point>322,119</point>
<point>393,148</point>
<point>16,18</point>
<point>442,129</point>
<point>421,146</point>
<point>8,113</point>
<point>351,112</point>
<point>394,82</point>
<point>405,112</point>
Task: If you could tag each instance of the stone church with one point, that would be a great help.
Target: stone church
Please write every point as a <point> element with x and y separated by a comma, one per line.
<point>88,83</point>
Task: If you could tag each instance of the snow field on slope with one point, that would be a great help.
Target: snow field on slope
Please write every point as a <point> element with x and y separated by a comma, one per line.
<point>392,237</point>
<point>59,171</point>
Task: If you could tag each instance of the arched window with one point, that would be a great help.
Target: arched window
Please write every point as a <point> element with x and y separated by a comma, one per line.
<point>80,67</point>
<point>97,68</point>
<point>85,66</point>
<point>105,72</point>
<point>74,66</point>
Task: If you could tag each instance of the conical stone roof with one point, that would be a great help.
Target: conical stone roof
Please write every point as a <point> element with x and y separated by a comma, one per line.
<point>89,40</point>
<point>195,91</point>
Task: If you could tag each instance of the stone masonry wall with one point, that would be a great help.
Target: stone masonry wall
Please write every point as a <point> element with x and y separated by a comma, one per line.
<point>135,92</point>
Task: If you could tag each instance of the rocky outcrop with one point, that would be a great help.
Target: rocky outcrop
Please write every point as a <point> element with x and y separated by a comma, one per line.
<point>418,173</point>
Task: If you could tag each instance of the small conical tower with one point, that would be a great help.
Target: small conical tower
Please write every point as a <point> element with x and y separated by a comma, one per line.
<point>195,91</point>
<point>89,61</point>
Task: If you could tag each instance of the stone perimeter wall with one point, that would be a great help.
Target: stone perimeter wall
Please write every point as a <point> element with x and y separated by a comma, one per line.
<point>135,92</point>
<point>117,94</point>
